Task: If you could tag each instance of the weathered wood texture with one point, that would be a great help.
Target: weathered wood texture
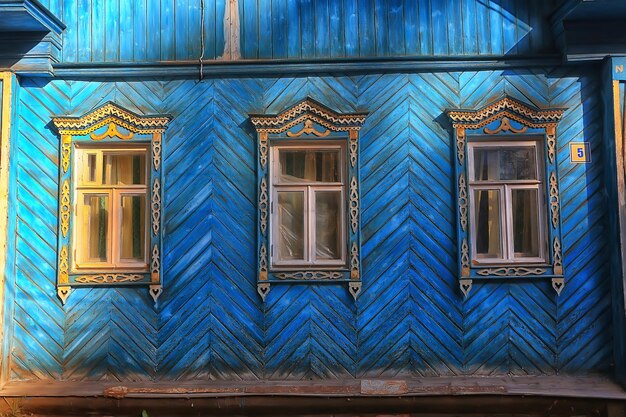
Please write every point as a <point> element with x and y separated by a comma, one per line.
<point>410,320</point>
<point>169,30</point>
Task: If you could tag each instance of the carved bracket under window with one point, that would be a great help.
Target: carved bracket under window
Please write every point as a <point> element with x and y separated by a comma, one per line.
<point>507,120</point>
<point>114,127</point>
<point>309,122</point>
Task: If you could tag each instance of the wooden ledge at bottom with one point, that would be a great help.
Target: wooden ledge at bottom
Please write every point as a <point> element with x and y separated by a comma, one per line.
<point>553,386</point>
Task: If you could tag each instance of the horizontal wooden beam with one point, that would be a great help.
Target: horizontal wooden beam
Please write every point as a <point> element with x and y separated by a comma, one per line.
<point>283,67</point>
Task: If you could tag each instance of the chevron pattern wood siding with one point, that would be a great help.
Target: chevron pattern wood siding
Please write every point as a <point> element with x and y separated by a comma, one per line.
<point>170,30</point>
<point>410,319</point>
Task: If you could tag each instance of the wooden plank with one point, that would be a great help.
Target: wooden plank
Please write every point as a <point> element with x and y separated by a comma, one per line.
<point>351,28</point>
<point>336,27</point>
<point>411,30</point>
<point>455,27</point>
<point>279,29</point>
<point>126,19</point>
<point>367,28</point>
<point>250,29</point>
<point>396,21</point>
<point>470,43</point>
<point>140,32</point>
<point>84,32</point>
<point>307,28</point>
<point>322,29</point>
<point>294,43</point>
<point>381,28</point>
<point>496,27</point>
<point>167,30</point>
<point>153,28</point>
<point>181,23</point>
<point>439,28</point>
<point>111,31</point>
<point>265,28</point>
<point>425,22</point>
<point>70,35</point>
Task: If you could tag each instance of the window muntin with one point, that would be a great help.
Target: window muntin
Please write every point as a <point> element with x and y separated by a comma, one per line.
<point>111,211</point>
<point>505,189</point>
<point>307,205</point>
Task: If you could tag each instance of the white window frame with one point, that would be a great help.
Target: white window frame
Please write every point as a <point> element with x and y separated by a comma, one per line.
<point>115,194</point>
<point>309,188</point>
<point>506,213</point>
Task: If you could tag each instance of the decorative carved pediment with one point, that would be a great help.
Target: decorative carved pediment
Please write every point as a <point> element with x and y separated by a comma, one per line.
<point>308,112</point>
<point>509,108</point>
<point>112,115</point>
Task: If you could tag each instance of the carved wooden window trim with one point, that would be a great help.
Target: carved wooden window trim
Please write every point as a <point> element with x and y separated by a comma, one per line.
<point>508,120</point>
<point>309,121</point>
<point>109,125</point>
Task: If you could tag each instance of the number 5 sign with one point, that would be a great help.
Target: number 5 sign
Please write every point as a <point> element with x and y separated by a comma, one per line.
<point>580,152</point>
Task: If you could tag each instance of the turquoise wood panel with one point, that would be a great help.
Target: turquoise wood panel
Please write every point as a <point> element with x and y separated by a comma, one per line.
<point>170,30</point>
<point>410,318</point>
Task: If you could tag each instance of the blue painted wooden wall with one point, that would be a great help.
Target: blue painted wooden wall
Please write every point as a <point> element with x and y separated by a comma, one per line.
<point>410,319</point>
<point>169,30</point>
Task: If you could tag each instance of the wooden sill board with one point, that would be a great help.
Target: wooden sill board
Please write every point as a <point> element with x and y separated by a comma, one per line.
<point>549,386</point>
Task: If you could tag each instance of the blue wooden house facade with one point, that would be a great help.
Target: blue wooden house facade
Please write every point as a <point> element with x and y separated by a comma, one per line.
<point>408,93</point>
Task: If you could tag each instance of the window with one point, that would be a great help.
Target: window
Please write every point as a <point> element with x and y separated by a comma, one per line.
<point>506,202</point>
<point>308,209</point>
<point>110,178</point>
<point>111,211</point>
<point>308,215</point>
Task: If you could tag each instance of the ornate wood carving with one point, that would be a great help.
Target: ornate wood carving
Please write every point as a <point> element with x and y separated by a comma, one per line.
<point>466,286</point>
<point>355,289</point>
<point>64,266</point>
<point>558,284</point>
<point>156,206</point>
<point>156,151</point>
<point>511,271</point>
<point>354,205</point>
<point>460,145</point>
<point>263,206</point>
<point>309,275</point>
<point>155,265</point>
<point>109,278</point>
<point>263,263</point>
<point>509,108</point>
<point>551,142</point>
<point>63,292</point>
<point>465,261</point>
<point>112,132</point>
<point>505,126</point>
<point>110,113</point>
<point>309,129</point>
<point>558,258</point>
<point>554,199</point>
<point>155,292</point>
<point>463,201</point>
<point>65,207</point>
<point>263,289</point>
<point>354,147</point>
<point>354,261</point>
<point>66,151</point>
<point>263,149</point>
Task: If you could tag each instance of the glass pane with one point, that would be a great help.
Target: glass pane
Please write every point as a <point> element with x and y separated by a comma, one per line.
<point>488,229</point>
<point>504,164</point>
<point>126,169</point>
<point>327,225</point>
<point>525,223</point>
<point>133,233</point>
<point>313,165</point>
<point>91,167</point>
<point>95,231</point>
<point>291,226</point>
